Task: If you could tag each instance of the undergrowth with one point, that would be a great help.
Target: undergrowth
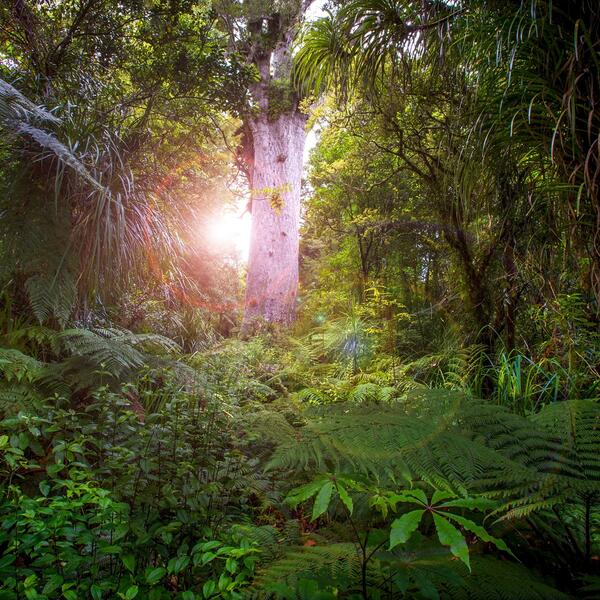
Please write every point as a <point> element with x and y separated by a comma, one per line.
<point>259,470</point>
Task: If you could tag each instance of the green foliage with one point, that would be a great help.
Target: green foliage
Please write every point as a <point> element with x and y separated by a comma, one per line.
<point>432,428</point>
<point>125,499</point>
<point>281,98</point>
<point>527,469</point>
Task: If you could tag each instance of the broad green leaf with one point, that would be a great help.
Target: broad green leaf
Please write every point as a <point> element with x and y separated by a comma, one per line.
<point>189,595</point>
<point>209,588</point>
<point>53,583</point>
<point>178,564</point>
<point>304,492</point>
<point>450,536</point>
<point>404,527</point>
<point>96,592</point>
<point>480,532</point>
<point>7,560</point>
<point>224,581</point>
<point>440,495</point>
<point>44,487</point>
<point>129,562</point>
<point>322,500</point>
<point>409,496</point>
<point>204,558</point>
<point>155,575</point>
<point>231,565</point>
<point>209,545</point>
<point>132,592</point>
<point>345,497</point>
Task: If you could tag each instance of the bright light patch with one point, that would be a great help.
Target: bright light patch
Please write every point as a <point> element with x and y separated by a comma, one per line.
<point>229,232</point>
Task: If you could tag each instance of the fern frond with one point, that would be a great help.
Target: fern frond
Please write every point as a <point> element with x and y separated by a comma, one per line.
<point>374,440</point>
<point>17,367</point>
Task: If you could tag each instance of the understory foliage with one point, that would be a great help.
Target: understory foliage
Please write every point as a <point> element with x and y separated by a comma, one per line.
<point>222,475</point>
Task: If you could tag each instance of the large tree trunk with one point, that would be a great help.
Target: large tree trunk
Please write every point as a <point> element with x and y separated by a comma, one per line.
<point>274,137</point>
<point>276,179</point>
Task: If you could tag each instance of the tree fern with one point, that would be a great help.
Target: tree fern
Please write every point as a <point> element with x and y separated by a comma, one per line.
<point>18,374</point>
<point>421,570</point>
<point>385,439</point>
<point>78,359</point>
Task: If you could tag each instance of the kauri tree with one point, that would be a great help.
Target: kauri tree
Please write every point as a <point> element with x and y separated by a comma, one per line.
<point>271,152</point>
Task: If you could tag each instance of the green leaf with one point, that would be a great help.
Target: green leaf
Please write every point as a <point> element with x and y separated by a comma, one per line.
<point>211,545</point>
<point>96,592</point>
<point>204,558</point>
<point>404,527</point>
<point>132,592</point>
<point>188,596</point>
<point>480,532</point>
<point>440,495</point>
<point>129,562</point>
<point>224,581</point>
<point>6,560</point>
<point>450,536</point>
<point>178,564</point>
<point>155,575</point>
<point>303,493</point>
<point>44,488</point>
<point>208,588</point>
<point>345,497</point>
<point>53,583</point>
<point>70,595</point>
<point>417,496</point>
<point>231,565</point>
<point>322,500</point>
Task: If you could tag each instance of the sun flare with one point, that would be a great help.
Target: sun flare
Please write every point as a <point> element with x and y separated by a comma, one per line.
<point>230,231</point>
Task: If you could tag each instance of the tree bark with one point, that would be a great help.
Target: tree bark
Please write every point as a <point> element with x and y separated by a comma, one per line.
<point>274,136</point>
<point>272,279</point>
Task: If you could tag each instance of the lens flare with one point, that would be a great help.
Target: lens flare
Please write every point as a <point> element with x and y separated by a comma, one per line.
<point>230,232</point>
